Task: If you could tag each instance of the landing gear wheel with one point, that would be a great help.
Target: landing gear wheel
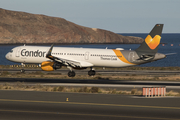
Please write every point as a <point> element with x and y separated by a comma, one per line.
<point>91,73</point>
<point>22,71</point>
<point>71,73</point>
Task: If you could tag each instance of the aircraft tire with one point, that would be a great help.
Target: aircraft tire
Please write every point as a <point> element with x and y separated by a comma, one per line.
<point>71,73</point>
<point>22,71</point>
<point>91,73</point>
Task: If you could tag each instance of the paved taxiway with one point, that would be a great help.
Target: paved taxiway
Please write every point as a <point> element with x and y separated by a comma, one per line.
<point>21,105</point>
<point>117,84</point>
<point>64,71</point>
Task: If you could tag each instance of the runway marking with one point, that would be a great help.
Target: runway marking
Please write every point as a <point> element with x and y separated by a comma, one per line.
<point>81,114</point>
<point>95,104</point>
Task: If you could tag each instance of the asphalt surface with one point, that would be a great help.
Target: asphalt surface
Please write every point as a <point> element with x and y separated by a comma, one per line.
<point>103,83</point>
<point>20,105</point>
<point>31,105</point>
<point>89,81</point>
<point>102,72</point>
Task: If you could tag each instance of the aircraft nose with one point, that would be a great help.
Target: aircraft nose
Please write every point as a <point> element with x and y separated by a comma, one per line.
<point>7,56</point>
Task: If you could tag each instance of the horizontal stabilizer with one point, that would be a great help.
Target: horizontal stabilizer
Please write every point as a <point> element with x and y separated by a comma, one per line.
<point>170,53</point>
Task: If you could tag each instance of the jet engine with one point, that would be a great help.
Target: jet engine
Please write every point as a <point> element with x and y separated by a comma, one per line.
<point>57,65</point>
<point>47,66</point>
<point>50,66</point>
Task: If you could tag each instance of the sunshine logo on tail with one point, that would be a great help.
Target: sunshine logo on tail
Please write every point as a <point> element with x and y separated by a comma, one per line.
<point>150,45</point>
<point>153,42</point>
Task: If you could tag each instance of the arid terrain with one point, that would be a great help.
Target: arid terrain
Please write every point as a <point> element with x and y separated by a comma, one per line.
<point>20,27</point>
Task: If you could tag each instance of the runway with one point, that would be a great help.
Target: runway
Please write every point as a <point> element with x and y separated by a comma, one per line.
<point>20,105</point>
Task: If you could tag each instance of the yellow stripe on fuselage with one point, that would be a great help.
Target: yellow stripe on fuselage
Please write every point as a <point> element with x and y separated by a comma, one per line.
<point>121,57</point>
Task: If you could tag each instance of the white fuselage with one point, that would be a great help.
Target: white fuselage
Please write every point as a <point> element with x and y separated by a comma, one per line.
<point>88,57</point>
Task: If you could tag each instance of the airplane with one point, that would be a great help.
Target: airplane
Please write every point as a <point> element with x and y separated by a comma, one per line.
<point>53,58</point>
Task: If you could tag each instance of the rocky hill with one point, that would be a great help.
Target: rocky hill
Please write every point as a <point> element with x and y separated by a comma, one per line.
<point>21,27</point>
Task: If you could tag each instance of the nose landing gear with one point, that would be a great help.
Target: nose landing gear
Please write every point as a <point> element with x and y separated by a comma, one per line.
<point>22,70</point>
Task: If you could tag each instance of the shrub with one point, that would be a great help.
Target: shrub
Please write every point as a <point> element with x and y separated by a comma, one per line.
<point>54,89</point>
<point>95,90</point>
<point>60,88</point>
<point>133,91</point>
<point>114,91</point>
<point>5,73</point>
<point>20,84</point>
<point>84,89</point>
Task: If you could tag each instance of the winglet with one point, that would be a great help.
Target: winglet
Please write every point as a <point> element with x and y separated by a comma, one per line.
<point>48,55</point>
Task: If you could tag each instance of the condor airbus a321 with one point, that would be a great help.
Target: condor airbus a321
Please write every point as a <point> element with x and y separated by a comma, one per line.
<point>52,58</point>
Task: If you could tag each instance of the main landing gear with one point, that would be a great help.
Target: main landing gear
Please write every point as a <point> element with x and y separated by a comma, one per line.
<point>91,72</point>
<point>71,73</point>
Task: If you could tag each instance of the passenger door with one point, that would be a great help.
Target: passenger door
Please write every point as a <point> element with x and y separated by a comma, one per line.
<point>86,56</point>
<point>18,52</point>
<point>131,57</point>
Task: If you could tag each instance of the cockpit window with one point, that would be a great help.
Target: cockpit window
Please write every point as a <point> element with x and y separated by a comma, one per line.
<point>11,51</point>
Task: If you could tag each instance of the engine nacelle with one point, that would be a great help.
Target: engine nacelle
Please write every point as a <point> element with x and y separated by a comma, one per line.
<point>57,65</point>
<point>50,66</point>
<point>47,66</point>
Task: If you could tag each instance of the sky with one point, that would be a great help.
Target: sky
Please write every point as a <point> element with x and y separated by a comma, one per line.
<point>119,16</point>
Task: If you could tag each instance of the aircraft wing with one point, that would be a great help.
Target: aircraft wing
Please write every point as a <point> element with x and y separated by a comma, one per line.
<point>67,62</point>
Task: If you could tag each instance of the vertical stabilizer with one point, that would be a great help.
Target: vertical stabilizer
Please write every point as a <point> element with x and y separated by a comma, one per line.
<point>150,45</point>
